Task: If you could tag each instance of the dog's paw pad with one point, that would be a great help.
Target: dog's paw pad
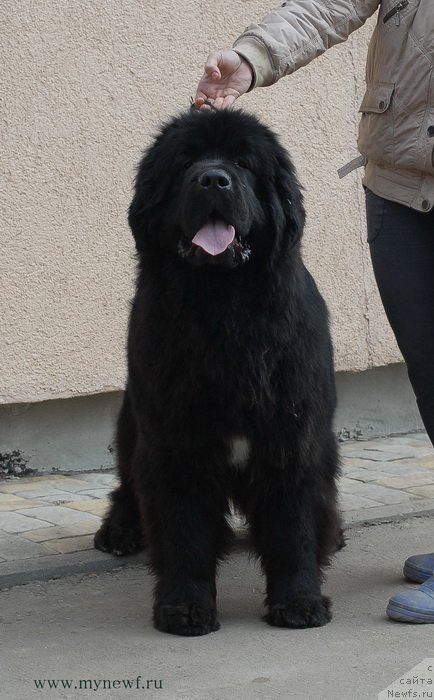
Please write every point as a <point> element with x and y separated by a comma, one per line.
<point>300,612</point>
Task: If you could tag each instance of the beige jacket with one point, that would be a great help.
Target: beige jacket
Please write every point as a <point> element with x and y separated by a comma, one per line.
<point>396,133</point>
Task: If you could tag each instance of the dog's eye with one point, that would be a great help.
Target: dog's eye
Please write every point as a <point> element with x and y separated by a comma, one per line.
<point>242,163</point>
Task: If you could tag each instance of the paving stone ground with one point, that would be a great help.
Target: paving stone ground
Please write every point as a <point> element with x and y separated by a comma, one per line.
<point>47,522</point>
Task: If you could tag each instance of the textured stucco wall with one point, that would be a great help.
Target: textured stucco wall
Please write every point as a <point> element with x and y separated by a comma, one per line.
<point>84,86</point>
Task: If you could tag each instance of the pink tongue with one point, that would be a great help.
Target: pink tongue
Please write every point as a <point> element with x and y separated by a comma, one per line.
<point>214,237</point>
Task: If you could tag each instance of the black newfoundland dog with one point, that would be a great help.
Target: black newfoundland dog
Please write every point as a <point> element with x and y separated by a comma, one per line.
<point>230,393</point>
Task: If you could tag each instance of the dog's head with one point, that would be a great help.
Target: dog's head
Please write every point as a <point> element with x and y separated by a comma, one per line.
<point>216,187</point>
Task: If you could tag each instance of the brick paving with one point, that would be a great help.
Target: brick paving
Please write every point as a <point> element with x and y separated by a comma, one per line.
<point>47,522</point>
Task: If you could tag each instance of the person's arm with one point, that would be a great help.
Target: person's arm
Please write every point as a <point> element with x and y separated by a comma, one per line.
<point>294,34</point>
<point>288,38</point>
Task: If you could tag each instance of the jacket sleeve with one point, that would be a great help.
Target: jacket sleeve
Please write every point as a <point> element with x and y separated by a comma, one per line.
<point>298,31</point>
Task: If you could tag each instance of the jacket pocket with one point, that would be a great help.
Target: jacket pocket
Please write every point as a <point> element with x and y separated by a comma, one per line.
<point>377,98</point>
<point>376,124</point>
<point>395,12</point>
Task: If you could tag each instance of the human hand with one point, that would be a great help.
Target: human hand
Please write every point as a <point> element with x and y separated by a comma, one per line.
<point>227,76</point>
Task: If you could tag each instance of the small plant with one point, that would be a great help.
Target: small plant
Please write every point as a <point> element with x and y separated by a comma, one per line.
<point>14,464</point>
<point>354,434</point>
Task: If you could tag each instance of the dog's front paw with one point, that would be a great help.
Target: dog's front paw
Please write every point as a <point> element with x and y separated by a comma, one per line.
<point>301,611</point>
<point>120,541</point>
<point>187,619</point>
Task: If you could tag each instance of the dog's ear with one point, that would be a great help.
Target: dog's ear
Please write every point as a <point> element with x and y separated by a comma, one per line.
<point>147,196</point>
<point>138,217</point>
<point>288,212</point>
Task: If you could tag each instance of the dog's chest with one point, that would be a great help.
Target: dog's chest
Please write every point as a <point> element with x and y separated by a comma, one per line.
<point>239,452</point>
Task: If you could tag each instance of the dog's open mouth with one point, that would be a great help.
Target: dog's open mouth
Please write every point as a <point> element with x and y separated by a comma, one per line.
<point>215,236</point>
<point>216,242</point>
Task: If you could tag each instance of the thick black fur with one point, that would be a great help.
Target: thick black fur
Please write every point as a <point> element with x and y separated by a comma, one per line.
<point>232,346</point>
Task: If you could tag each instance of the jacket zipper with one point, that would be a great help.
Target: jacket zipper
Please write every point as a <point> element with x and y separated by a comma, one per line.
<point>395,11</point>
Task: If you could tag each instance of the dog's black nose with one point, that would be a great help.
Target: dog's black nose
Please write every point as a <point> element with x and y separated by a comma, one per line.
<point>215,178</point>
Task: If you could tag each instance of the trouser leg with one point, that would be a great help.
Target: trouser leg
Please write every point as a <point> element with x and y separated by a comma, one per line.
<point>402,251</point>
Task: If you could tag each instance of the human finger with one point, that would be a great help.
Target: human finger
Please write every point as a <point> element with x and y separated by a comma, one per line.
<point>212,69</point>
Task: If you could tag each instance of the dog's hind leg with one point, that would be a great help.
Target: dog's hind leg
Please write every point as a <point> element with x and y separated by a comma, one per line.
<point>328,521</point>
<point>122,530</point>
<point>329,529</point>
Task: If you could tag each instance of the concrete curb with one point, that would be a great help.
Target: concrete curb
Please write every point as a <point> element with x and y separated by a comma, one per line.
<point>401,511</point>
<point>46,568</point>
<point>95,562</point>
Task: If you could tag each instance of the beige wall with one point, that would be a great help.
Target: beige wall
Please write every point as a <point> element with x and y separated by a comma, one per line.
<point>85,84</point>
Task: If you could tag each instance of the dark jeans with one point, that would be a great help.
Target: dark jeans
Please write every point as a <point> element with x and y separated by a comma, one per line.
<point>402,252</point>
